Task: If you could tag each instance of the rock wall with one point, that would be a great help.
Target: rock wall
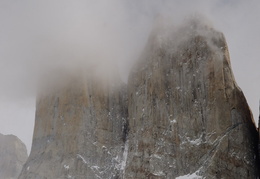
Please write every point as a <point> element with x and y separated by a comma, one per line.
<point>13,155</point>
<point>79,132</point>
<point>187,116</point>
<point>181,115</point>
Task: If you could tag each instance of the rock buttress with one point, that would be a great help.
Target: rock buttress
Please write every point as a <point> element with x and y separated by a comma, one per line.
<point>79,132</point>
<point>187,116</point>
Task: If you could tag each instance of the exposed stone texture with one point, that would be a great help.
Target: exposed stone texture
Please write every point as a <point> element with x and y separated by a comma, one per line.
<point>13,155</point>
<point>186,113</point>
<point>186,117</point>
<point>79,132</point>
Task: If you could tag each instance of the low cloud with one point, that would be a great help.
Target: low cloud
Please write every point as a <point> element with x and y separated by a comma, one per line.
<point>38,37</point>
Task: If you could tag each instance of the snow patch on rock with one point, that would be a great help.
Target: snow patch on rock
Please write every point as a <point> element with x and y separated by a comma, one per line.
<point>194,175</point>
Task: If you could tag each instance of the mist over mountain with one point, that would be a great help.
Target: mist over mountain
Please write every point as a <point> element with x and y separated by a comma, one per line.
<point>43,37</point>
<point>181,114</point>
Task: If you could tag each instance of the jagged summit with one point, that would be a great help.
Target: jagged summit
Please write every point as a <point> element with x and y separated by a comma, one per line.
<point>181,114</point>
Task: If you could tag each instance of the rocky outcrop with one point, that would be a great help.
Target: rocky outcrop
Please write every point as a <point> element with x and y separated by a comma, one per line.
<point>13,155</point>
<point>79,132</point>
<point>184,117</point>
<point>187,116</point>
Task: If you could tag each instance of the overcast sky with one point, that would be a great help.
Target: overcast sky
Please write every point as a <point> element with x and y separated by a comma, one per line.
<point>39,36</point>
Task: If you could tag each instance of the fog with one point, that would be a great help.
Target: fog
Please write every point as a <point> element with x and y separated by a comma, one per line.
<point>38,37</point>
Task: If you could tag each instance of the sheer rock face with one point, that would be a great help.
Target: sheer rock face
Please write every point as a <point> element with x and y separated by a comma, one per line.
<point>13,155</point>
<point>79,132</point>
<point>187,116</point>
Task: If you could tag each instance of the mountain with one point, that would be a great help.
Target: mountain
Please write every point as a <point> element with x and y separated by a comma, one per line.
<point>180,115</point>
<point>79,131</point>
<point>13,155</point>
<point>187,116</point>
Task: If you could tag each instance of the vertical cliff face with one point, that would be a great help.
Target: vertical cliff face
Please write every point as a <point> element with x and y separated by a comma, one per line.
<point>13,155</point>
<point>79,132</point>
<point>187,117</point>
<point>181,115</point>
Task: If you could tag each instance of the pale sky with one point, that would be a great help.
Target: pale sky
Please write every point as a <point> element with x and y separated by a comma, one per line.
<point>38,36</point>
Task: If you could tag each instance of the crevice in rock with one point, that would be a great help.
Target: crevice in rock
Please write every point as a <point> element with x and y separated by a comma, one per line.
<point>218,141</point>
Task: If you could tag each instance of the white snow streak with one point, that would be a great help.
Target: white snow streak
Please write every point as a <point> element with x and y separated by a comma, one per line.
<point>160,173</point>
<point>123,163</point>
<point>79,156</point>
<point>194,175</point>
